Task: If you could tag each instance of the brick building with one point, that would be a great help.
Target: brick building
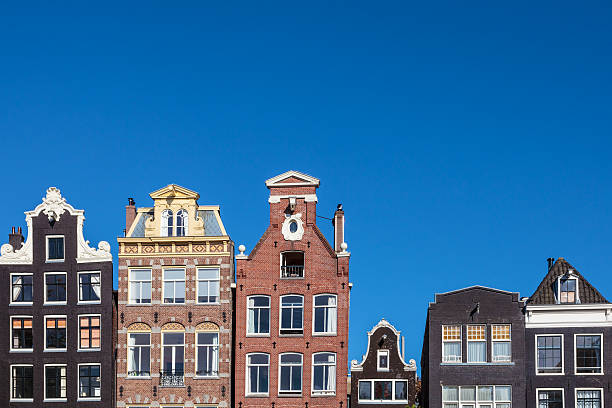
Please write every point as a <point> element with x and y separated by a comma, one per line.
<point>175,304</point>
<point>292,306</point>
<point>57,317</point>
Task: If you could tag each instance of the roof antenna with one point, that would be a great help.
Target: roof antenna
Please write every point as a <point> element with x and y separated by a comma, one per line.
<point>551,262</point>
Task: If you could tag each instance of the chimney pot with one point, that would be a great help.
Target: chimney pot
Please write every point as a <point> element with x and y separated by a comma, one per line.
<point>130,213</point>
<point>339,229</point>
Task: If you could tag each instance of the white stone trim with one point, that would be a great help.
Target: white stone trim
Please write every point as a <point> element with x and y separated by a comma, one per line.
<point>307,180</point>
<point>560,316</point>
<point>308,198</point>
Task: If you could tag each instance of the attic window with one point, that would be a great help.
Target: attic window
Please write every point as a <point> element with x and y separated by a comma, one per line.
<point>292,264</point>
<point>567,290</point>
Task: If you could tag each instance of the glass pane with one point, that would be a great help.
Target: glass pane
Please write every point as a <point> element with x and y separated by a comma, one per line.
<point>324,300</point>
<point>292,300</point>
<point>260,301</point>
<point>285,373</point>
<point>258,359</point>
<point>321,358</point>
<point>468,394</point>
<point>173,338</point>
<point>178,274</point>
<point>485,394</point>
<point>401,390</point>
<point>382,390</point>
<point>503,393</point>
<point>140,275</point>
<point>365,390</point>
<point>208,273</point>
<point>291,358</point>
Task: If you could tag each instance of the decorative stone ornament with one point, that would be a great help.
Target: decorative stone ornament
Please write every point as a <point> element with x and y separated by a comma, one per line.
<point>293,227</point>
<point>55,204</point>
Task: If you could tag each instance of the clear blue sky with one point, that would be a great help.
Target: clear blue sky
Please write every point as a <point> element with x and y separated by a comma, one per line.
<point>468,142</point>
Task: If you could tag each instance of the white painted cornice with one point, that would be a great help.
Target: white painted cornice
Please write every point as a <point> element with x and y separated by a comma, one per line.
<point>306,180</point>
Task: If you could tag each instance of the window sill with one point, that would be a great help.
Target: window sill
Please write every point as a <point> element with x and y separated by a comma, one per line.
<point>290,395</point>
<point>55,261</point>
<point>138,304</point>
<point>21,400</point>
<point>324,334</point>
<point>477,364</point>
<point>89,350</point>
<point>291,335</point>
<point>21,351</point>
<point>258,335</point>
<point>203,377</point>
<point>383,402</point>
<point>257,395</point>
<point>21,304</point>
<point>63,303</point>
<point>137,377</point>
<point>550,373</point>
<point>54,350</point>
<point>90,399</point>
<point>89,302</point>
<point>324,394</point>
<point>588,373</point>
<point>55,400</point>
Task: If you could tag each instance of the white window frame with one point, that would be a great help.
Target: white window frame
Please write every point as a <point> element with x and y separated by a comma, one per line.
<point>55,302</point>
<point>184,280</point>
<point>45,399</point>
<point>576,290</point>
<point>163,346</point>
<point>601,394</point>
<point>382,353</point>
<point>166,215</point>
<point>301,365</point>
<point>79,334</point>
<point>601,336</point>
<point>47,248</point>
<point>280,316</point>
<point>54,350</point>
<point>247,376</point>
<point>460,341</point>
<point>127,374</point>
<point>314,310</point>
<point>312,376</point>
<point>198,280</point>
<point>13,303</point>
<point>493,341</point>
<point>537,394</point>
<point>11,399</point>
<point>393,400</point>
<point>248,334</point>
<point>198,345</point>
<point>79,398</point>
<point>468,341</point>
<point>282,261</point>
<point>20,350</point>
<point>537,368</point>
<point>88,302</point>
<point>475,403</point>
<point>184,215</point>
<point>130,280</point>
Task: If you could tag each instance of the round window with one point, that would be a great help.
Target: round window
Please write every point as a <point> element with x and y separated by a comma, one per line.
<point>293,226</point>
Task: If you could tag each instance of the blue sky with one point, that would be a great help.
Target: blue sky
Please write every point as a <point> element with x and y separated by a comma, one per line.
<point>467,142</point>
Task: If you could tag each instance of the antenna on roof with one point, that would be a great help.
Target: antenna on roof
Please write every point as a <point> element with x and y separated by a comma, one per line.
<point>551,262</point>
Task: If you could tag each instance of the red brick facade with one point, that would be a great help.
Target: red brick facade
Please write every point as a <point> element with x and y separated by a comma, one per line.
<point>325,271</point>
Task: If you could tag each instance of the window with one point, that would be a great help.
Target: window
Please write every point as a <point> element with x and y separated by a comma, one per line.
<point>140,286</point>
<point>549,354</point>
<point>174,285</point>
<point>258,320</point>
<point>401,390</point>
<point>588,353</point>
<point>486,396</point>
<point>22,382</point>
<point>324,374</point>
<point>568,292</point>
<point>55,287</point>
<point>208,285</point>
<point>181,223</point>
<point>290,374</point>
<point>292,308</point>
<point>89,287</point>
<point>173,359</point>
<point>55,248</point>
<point>383,360</point>
<point>55,382</point>
<point>292,264</point>
<point>139,354</point>
<point>21,288</point>
<point>325,314</point>
<point>589,398</point>
<point>476,344</point>
<point>89,332</point>
<point>502,345</point>
<point>365,390</point>
<point>451,344</point>
<point>258,368</point>
<point>167,223</point>
<point>21,333</point>
<point>550,398</point>
<point>89,381</point>
<point>207,354</point>
<point>55,332</point>
<point>383,391</point>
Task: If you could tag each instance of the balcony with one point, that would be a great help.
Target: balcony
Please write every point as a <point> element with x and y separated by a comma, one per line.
<point>292,271</point>
<point>171,378</point>
<point>292,265</point>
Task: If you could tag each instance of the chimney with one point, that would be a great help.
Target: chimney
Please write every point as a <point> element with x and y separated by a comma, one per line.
<point>338,222</point>
<point>16,238</point>
<point>551,262</point>
<point>403,348</point>
<point>130,214</point>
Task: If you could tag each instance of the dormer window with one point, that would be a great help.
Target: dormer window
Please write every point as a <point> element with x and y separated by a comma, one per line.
<point>292,264</point>
<point>167,223</point>
<point>567,291</point>
<point>181,223</point>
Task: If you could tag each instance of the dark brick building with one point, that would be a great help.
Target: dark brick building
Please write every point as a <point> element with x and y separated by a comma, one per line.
<point>57,313</point>
<point>383,377</point>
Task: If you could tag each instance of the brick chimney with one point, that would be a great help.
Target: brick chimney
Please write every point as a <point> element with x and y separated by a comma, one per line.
<point>16,238</point>
<point>292,193</point>
<point>338,223</point>
<point>130,214</point>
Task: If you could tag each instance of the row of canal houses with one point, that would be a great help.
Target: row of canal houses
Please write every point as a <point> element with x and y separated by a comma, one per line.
<point>194,325</point>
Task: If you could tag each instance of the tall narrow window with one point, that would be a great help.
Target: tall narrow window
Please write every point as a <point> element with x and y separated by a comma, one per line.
<point>55,248</point>
<point>22,382</point>
<point>292,312</point>
<point>568,290</point>
<point>89,287</point>
<point>258,374</point>
<point>383,360</point>
<point>55,334</point>
<point>477,344</point>
<point>208,285</point>
<point>167,227</point>
<point>181,223</point>
<point>55,382</point>
<point>174,285</point>
<point>325,314</point>
<point>451,344</point>
<point>22,333</point>
<point>140,286</point>
<point>89,332</point>
<point>89,381</point>
<point>207,354</point>
<point>588,398</point>
<point>258,320</point>
<point>502,346</point>
<point>550,354</point>
<point>173,359</point>
<point>550,398</point>
<point>139,354</point>
<point>290,374</point>
<point>588,354</point>
<point>324,374</point>
<point>55,287</point>
<point>21,288</point>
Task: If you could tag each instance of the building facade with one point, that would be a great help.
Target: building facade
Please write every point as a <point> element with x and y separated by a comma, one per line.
<point>292,305</point>
<point>474,350</point>
<point>57,312</point>
<point>174,304</point>
<point>568,327</point>
<point>383,377</point>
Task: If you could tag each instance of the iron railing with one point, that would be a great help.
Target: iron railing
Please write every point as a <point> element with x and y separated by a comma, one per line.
<point>171,378</point>
<point>292,271</point>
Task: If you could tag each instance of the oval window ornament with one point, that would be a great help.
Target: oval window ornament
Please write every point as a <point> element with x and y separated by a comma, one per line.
<point>293,227</point>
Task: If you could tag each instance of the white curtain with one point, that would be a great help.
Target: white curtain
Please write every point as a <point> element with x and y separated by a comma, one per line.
<point>452,351</point>
<point>95,283</point>
<point>215,355</point>
<point>17,289</point>
<point>503,393</point>
<point>477,351</point>
<point>251,318</point>
<point>331,378</point>
<point>468,394</point>
<point>501,351</point>
<point>332,315</point>
<point>485,394</point>
<point>450,394</point>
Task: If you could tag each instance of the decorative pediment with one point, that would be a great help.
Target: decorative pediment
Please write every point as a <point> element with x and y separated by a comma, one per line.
<point>292,178</point>
<point>174,191</point>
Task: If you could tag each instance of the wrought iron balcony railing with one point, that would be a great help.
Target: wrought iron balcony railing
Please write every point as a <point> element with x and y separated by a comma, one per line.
<point>292,271</point>
<point>171,378</point>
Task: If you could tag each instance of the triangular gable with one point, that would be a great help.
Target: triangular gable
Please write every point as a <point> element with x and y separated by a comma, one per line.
<point>174,191</point>
<point>292,178</point>
<point>476,287</point>
<point>545,293</point>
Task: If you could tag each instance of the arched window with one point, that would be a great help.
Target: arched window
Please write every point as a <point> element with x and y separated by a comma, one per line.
<point>139,350</point>
<point>324,374</point>
<point>325,314</point>
<point>167,223</point>
<point>181,223</point>
<point>258,370</point>
<point>207,354</point>
<point>290,374</point>
<point>173,355</point>
<point>292,314</point>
